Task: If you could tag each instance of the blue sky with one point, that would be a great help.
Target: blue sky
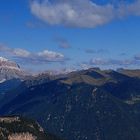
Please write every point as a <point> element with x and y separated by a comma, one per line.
<point>43,35</point>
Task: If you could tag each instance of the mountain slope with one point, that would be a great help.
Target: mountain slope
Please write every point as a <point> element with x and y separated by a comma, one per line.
<point>79,108</point>
<point>9,85</point>
<point>131,73</point>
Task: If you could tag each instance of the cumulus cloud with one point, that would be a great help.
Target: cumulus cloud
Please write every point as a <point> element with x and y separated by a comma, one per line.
<point>21,52</point>
<point>81,13</point>
<point>14,51</point>
<point>50,55</point>
<point>38,57</point>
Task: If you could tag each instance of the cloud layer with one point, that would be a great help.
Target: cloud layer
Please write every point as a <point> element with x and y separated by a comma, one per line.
<point>115,62</point>
<point>81,13</point>
<point>29,57</point>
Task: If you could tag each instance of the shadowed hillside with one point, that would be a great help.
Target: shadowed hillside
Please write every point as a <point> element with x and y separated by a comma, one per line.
<point>89,104</point>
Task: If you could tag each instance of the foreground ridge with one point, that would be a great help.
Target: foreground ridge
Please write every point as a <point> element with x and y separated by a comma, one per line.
<point>18,128</point>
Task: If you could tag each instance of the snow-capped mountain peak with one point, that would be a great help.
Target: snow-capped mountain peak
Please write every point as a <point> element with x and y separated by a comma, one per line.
<point>2,59</point>
<point>5,63</point>
<point>9,70</point>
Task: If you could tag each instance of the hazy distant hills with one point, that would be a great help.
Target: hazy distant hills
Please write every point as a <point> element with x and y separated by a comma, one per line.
<point>17,128</point>
<point>89,104</point>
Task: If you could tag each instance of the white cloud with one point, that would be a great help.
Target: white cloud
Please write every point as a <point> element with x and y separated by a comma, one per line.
<point>50,55</point>
<point>81,13</point>
<point>107,62</point>
<point>21,52</point>
<point>38,57</point>
<point>131,9</point>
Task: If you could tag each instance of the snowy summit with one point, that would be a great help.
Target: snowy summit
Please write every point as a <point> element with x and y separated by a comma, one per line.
<point>9,70</point>
<point>3,59</point>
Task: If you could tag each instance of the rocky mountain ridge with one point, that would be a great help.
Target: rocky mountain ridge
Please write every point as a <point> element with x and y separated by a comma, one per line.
<point>10,70</point>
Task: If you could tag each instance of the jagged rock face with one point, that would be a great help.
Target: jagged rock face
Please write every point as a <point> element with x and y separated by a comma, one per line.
<point>9,70</point>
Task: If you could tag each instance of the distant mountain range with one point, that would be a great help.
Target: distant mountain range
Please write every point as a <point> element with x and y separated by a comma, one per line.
<point>90,104</point>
